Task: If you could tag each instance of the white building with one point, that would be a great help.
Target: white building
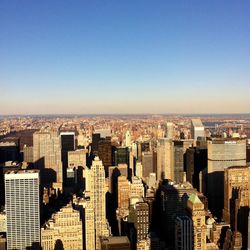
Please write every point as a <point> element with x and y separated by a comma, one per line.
<point>22,209</point>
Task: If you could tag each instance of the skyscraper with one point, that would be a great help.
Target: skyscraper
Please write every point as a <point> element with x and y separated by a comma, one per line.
<point>47,156</point>
<point>222,153</point>
<point>183,233</point>
<point>170,130</point>
<point>165,159</point>
<point>22,209</point>
<point>197,129</point>
<point>97,196</point>
<point>197,214</point>
<point>237,199</point>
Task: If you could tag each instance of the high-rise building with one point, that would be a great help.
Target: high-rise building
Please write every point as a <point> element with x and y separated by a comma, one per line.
<point>105,153</point>
<point>68,144</point>
<point>115,243</point>
<point>170,130</point>
<point>183,233</point>
<point>28,153</point>
<point>147,164</point>
<point>222,153</point>
<point>127,139</point>
<point>197,129</point>
<point>136,187</point>
<point>63,230</point>
<point>23,209</point>
<point>180,147</point>
<point>85,206</point>
<point>197,214</point>
<point>237,199</point>
<point>97,196</point>
<point>123,193</point>
<point>141,220</point>
<point>47,156</point>
<point>165,159</point>
<point>77,158</point>
<point>173,200</point>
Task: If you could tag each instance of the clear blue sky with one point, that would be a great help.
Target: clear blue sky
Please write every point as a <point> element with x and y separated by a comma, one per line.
<point>114,56</point>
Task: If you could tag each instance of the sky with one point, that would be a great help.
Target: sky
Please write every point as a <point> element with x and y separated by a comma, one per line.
<point>124,56</point>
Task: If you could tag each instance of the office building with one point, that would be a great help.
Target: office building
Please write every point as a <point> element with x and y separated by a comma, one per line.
<point>77,158</point>
<point>127,139</point>
<point>136,187</point>
<point>222,153</point>
<point>22,209</point>
<point>237,199</point>
<point>47,156</point>
<point>197,129</point>
<point>165,159</point>
<point>28,153</point>
<point>183,233</point>
<point>180,147</point>
<point>63,229</point>
<point>197,214</point>
<point>97,196</point>
<point>123,193</point>
<point>147,164</point>
<point>170,130</point>
<point>141,220</point>
<point>173,200</point>
<point>105,153</point>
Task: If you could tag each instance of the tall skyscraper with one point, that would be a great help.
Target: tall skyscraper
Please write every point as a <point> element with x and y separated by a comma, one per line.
<point>237,199</point>
<point>197,129</point>
<point>165,159</point>
<point>47,156</point>
<point>97,196</point>
<point>222,153</point>
<point>183,233</point>
<point>197,214</point>
<point>23,209</point>
<point>68,144</point>
<point>147,164</point>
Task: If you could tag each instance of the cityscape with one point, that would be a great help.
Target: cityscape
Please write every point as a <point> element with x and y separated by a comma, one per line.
<point>124,125</point>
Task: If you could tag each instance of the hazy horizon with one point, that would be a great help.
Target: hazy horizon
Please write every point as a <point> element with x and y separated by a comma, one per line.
<point>104,57</point>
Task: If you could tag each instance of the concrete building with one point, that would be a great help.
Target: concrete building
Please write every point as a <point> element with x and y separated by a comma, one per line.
<point>77,158</point>
<point>197,129</point>
<point>170,130</point>
<point>165,159</point>
<point>147,164</point>
<point>237,199</point>
<point>97,196</point>
<point>28,153</point>
<point>222,153</point>
<point>123,193</point>
<point>136,187</point>
<point>197,214</point>
<point>64,229</point>
<point>183,233</point>
<point>47,156</point>
<point>22,206</point>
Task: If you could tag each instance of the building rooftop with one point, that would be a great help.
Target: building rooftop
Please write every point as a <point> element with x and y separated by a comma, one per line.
<point>197,123</point>
<point>194,198</point>
<point>115,240</point>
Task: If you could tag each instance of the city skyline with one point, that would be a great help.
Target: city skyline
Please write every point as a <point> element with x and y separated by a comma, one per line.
<point>127,57</point>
